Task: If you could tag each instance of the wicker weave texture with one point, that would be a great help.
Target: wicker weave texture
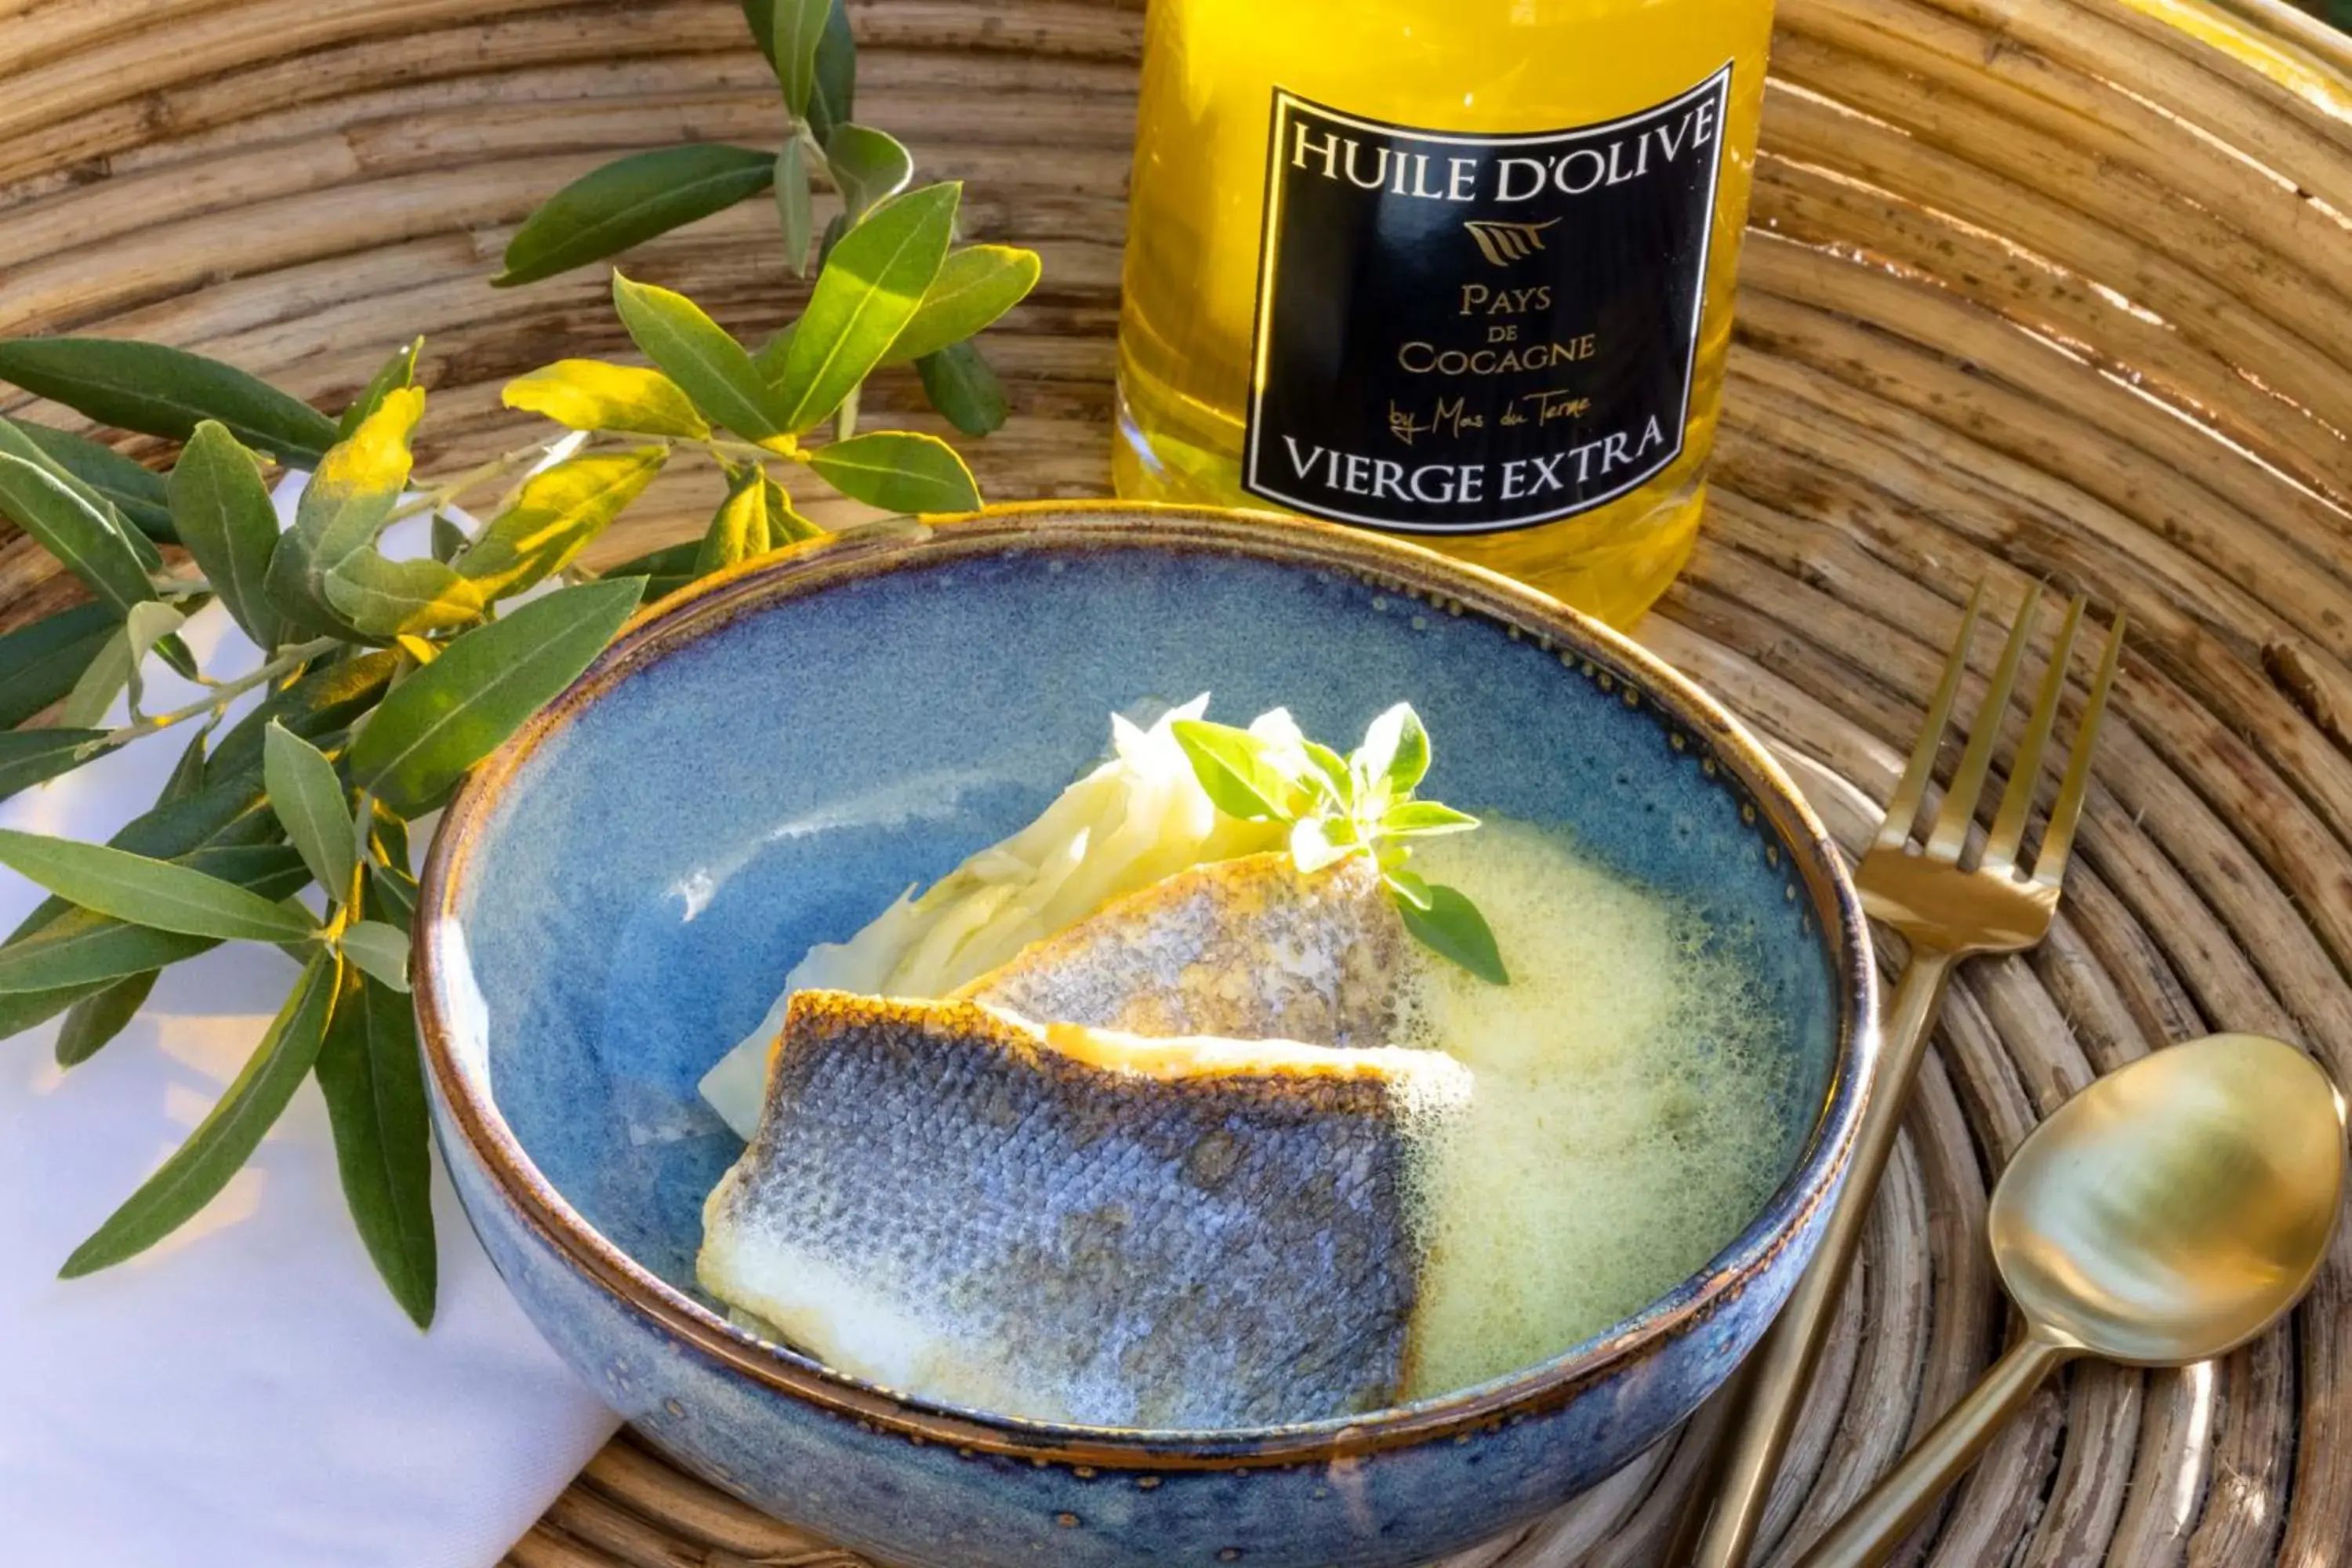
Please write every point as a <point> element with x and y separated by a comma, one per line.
<point>2038,288</point>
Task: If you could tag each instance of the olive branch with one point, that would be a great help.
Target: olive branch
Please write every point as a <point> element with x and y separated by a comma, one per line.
<point>382,680</point>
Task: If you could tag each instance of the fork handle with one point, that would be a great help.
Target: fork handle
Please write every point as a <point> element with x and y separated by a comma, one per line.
<point>1719,1523</point>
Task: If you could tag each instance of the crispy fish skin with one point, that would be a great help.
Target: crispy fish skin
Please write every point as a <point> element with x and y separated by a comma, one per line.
<point>1244,949</point>
<point>1079,1226</point>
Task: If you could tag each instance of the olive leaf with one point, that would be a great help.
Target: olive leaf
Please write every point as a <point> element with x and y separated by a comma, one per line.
<point>381,949</point>
<point>976,285</point>
<point>769,358</point>
<point>160,391</point>
<point>590,394</point>
<point>398,371</point>
<point>349,500</point>
<point>135,491</point>
<point>156,893</point>
<point>147,624</point>
<point>80,946</point>
<point>899,471</point>
<point>230,810</point>
<point>228,1137</point>
<point>866,291</point>
<point>785,525</point>
<point>795,211</point>
<point>41,663</point>
<point>222,511</point>
<point>108,674</point>
<point>369,1071</point>
<point>28,757</point>
<point>665,569</point>
<point>557,514</point>
<point>446,717</point>
<point>832,99</point>
<point>739,530</point>
<point>868,166</point>
<point>84,539</point>
<point>326,699</point>
<point>629,201</point>
<point>962,386</point>
<point>308,796</point>
<point>450,541</point>
<point>795,30</point>
<point>696,351</point>
<point>97,1018</point>
<point>386,599</point>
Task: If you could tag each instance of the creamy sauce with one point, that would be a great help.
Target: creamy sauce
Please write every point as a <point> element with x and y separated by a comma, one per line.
<point>1620,1131</point>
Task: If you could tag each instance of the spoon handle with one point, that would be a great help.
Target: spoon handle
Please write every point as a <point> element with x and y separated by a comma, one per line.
<point>1872,1528</point>
<point>1719,1523</point>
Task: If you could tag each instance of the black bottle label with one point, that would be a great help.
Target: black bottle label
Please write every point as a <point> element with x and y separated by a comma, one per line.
<point>1461,334</point>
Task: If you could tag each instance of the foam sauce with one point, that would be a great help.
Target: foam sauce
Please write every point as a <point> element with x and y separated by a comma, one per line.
<point>1622,1128</point>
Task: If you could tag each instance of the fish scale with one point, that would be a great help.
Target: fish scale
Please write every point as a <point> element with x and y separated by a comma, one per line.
<point>1065,1225</point>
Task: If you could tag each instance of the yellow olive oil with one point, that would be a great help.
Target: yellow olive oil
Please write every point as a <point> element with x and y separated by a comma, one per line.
<point>1457,271</point>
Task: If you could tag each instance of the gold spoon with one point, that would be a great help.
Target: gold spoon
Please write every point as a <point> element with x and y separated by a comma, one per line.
<point>2169,1213</point>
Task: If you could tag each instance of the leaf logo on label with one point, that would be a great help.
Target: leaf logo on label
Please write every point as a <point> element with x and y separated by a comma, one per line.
<point>1504,243</point>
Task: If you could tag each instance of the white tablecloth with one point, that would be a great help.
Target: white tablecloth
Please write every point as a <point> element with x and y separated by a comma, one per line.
<point>245,1395</point>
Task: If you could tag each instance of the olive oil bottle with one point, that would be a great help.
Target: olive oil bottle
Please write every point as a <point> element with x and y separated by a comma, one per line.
<point>1459,271</point>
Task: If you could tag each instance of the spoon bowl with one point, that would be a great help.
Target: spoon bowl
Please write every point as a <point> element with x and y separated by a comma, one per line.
<point>2169,1213</point>
<point>2173,1209</point>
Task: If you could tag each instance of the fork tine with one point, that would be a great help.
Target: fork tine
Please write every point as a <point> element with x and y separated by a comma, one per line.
<point>1960,800</point>
<point>2025,771</point>
<point>2058,838</point>
<point>1903,806</point>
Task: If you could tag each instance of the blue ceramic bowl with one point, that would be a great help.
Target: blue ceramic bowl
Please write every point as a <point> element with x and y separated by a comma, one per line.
<point>763,762</point>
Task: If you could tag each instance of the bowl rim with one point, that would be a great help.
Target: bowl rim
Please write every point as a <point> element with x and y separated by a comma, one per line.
<point>871,550</point>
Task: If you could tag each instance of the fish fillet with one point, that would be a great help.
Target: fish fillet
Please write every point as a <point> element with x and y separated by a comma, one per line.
<point>1247,949</point>
<point>1075,1225</point>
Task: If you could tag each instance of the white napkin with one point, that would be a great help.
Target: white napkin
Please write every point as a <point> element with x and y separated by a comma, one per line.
<point>245,1395</point>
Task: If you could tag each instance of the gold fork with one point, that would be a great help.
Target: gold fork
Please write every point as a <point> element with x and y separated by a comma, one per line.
<point>1946,912</point>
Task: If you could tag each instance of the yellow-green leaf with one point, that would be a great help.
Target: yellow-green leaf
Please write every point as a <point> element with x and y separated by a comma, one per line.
<point>590,394</point>
<point>868,166</point>
<point>395,373</point>
<point>694,352</point>
<point>870,288</point>
<point>975,286</point>
<point>349,498</point>
<point>558,514</point>
<point>446,717</point>
<point>899,471</point>
<point>739,531</point>
<point>388,599</point>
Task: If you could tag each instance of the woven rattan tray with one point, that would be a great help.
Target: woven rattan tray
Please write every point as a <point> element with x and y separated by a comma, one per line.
<point>2051,288</point>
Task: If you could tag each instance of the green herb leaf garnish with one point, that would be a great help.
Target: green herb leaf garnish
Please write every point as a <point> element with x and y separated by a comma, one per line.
<point>1340,806</point>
